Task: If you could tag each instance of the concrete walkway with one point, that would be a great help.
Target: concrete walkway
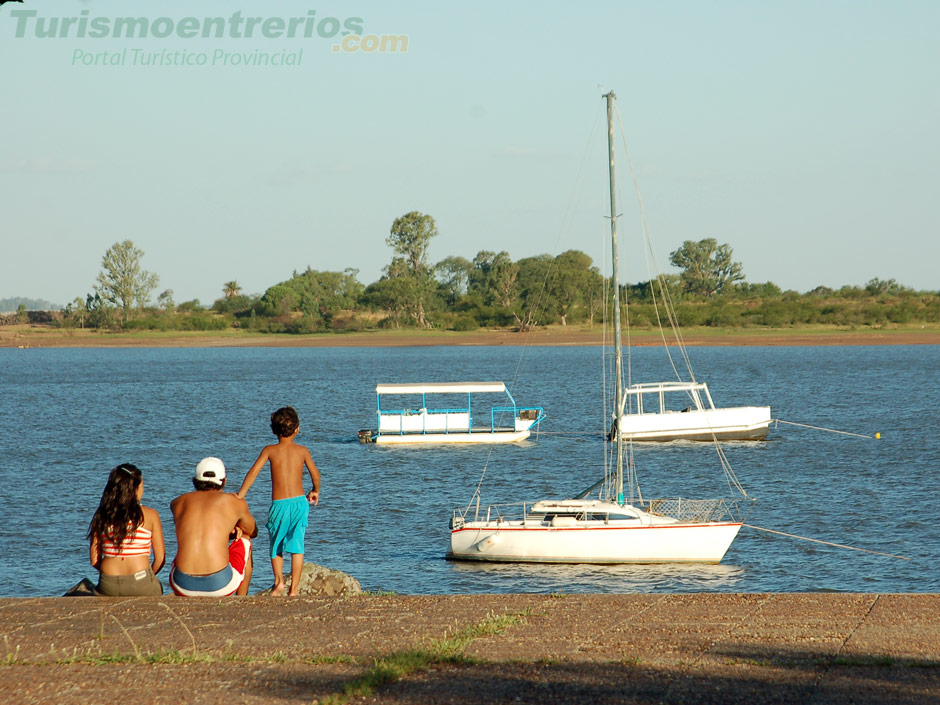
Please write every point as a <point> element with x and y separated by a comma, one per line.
<point>472,649</point>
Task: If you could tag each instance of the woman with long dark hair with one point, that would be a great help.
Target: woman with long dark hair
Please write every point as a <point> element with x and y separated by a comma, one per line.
<point>123,533</point>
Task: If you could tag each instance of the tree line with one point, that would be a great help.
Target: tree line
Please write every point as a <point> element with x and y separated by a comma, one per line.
<point>491,290</point>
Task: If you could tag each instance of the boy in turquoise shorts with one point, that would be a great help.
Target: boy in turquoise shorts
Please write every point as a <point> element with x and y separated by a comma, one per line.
<point>287,519</point>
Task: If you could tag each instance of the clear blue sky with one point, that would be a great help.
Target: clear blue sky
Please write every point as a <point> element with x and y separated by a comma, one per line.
<point>802,133</point>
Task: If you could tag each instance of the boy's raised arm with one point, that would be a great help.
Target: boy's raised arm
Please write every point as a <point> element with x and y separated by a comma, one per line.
<point>246,522</point>
<point>313,496</point>
<point>252,474</point>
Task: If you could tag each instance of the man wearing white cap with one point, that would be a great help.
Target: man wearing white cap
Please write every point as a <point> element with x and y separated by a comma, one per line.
<point>213,528</point>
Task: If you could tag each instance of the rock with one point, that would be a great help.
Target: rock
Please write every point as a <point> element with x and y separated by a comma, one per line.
<point>83,588</point>
<point>322,582</point>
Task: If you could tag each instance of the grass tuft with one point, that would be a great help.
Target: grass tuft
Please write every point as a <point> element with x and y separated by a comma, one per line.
<point>397,665</point>
<point>169,656</point>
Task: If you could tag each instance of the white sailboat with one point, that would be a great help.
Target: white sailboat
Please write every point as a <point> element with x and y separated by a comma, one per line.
<point>611,528</point>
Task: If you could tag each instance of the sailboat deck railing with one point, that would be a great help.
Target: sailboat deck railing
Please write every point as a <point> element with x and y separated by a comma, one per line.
<point>683,510</point>
<point>698,510</point>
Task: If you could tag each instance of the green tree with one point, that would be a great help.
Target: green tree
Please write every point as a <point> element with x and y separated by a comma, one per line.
<point>237,305</point>
<point>165,300</point>
<point>409,237</point>
<point>493,278</point>
<point>453,274</point>
<point>100,315</point>
<point>318,295</point>
<point>76,311</point>
<point>231,289</point>
<point>706,266</point>
<point>122,281</point>
<point>533,305</point>
<point>396,291</point>
<point>879,287</point>
<point>571,279</point>
<point>191,306</point>
<point>767,290</point>
<point>594,293</point>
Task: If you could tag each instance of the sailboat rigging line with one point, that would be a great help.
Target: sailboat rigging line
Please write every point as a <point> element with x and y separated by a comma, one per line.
<point>476,492</point>
<point>670,313</point>
<point>534,315</point>
<point>667,302</point>
<point>821,428</point>
<point>534,312</point>
<point>590,489</point>
<point>827,543</point>
<point>730,475</point>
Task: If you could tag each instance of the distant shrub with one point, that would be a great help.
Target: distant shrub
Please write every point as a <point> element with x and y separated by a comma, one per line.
<point>204,321</point>
<point>304,325</point>
<point>902,313</point>
<point>722,316</point>
<point>233,304</point>
<point>466,323</point>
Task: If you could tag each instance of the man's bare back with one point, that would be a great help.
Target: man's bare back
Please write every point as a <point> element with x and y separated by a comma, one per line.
<point>205,521</point>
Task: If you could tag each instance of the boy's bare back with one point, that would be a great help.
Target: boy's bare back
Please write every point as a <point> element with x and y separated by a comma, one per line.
<point>288,460</point>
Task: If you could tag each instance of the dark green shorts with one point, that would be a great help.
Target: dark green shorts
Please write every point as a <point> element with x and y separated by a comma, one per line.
<point>143,582</point>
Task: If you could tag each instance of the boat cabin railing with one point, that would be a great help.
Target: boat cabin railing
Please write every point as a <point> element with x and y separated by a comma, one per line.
<point>424,420</point>
<point>524,413</point>
<point>509,511</point>
<point>454,420</point>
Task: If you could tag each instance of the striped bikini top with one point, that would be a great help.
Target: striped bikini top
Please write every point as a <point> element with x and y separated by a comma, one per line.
<point>136,543</point>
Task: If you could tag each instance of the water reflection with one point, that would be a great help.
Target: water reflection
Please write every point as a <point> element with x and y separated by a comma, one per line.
<point>599,578</point>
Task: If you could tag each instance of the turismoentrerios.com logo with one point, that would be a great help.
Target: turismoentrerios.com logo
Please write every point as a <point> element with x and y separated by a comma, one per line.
<point>348,32</point>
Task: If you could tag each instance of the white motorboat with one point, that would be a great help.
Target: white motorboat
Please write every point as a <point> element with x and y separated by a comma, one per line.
<point>670,411</point>
<point>450,421</point>
<point>611,528</point>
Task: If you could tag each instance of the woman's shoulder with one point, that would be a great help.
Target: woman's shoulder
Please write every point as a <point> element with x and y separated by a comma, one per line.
<point>151,515</point>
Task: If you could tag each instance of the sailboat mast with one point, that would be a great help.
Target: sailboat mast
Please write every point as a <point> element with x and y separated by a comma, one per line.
<point>618,342</point>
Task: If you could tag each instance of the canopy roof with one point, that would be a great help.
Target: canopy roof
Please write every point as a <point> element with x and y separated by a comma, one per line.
<point>441,388</point>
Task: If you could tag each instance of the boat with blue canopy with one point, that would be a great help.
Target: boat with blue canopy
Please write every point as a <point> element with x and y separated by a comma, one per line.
<point>450,415</point>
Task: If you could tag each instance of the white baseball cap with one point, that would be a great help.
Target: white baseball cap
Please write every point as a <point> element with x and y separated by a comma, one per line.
<point>210,470</point>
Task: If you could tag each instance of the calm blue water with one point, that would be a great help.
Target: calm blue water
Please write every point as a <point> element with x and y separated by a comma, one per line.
<point>68,416</point>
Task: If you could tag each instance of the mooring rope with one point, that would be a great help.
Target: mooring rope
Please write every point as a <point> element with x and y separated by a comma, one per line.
<point>827,543</point>
<point>830,430</point>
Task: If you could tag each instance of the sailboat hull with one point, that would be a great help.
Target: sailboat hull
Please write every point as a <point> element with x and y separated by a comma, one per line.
<point>517,542</point>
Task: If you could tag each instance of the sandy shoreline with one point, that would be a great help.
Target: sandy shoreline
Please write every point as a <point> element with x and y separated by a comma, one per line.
<point>25,337</point>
